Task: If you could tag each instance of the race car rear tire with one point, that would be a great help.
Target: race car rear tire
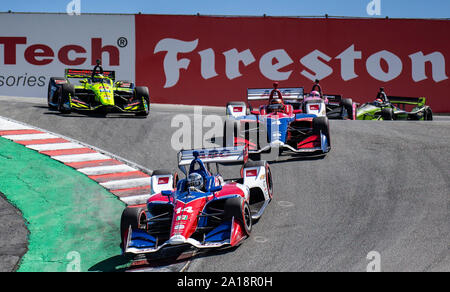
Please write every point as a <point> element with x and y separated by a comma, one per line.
<point>321,124</point>
<point>134,217</point>
<point>233,208</point>
<point>141,93</point>
<point>387,114</point>
<point>51,98</point>
<point>67,91</point>
<point>347,104</point>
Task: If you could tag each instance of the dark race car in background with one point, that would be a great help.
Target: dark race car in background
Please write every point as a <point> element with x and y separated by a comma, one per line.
<point>335,106</point>
<point>98,91</point>
<point>395,108</point>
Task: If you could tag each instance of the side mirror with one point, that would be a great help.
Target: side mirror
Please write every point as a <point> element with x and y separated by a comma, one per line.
<point>254,112</point>
<point>166,193</point>
<point>298,111</point>
<point>215,189</point>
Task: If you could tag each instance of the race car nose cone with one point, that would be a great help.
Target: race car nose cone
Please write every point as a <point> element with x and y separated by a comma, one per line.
<point>177,239</point>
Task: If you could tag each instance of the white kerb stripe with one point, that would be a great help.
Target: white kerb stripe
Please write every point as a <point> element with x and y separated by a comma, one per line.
<point>30,137</point>
<point>55,146</point>
<point>135,200</point>
<point>80,157</point>
<point>126,183</point>
<point>98,170</point>
<point>6,125</point>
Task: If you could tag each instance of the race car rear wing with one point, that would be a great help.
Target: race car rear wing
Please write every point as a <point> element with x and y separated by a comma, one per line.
<point>264,93</point>
<point>222,156</point>
<point>225,155</point>
<point>420,101</point>
<point>86,73</point>
<point>333,97</point>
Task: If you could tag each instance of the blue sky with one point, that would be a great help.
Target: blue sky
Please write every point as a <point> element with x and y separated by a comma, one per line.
<point>391,8</point>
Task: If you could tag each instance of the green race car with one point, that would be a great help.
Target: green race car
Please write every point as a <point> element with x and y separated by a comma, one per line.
<point>395,108</point>
<point>98,91</point>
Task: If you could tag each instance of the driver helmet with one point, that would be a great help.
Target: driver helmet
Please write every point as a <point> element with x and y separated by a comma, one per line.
<point>195,180</point>
<point>314,94</point>
<point>276,105</point>
<point>379,100</point>
<point>276,101</point>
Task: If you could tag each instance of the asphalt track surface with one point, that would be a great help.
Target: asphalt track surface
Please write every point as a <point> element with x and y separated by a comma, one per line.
<point>384,187</point>
<point>13,236</point>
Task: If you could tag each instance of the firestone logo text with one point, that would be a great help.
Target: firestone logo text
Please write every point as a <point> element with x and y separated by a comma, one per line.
<point>272,64</point>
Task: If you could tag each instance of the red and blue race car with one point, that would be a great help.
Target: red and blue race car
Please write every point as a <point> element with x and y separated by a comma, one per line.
<point>202,210</point>
<point>276,124</point>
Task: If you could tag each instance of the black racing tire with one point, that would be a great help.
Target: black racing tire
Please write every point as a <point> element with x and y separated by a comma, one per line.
<point>254,156</point>
<point>233,208</point>
<point>168,172</point>
<point>142,93</point>
<point>51,98</point>
<point>428,114</point>
<point>347,104</point>
<point>321,124</point>
<point>387,114</point>
<point>269,180</point>
<point>66,92</point>
<point>134,217</point>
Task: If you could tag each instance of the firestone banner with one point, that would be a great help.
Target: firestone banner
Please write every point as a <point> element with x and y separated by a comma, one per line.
<point>35,47</point>
<point>211,60</point>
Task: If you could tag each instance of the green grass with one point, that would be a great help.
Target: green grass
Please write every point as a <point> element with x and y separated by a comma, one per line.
<point>73,222</point>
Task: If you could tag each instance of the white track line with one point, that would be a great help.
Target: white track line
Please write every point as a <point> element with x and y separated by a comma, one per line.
<point>80,157</point>
<point>135,200</point>
<point>126,183</point>
<point>98,170</point>
<point>6,125</point>
<point>55,146</point>
<point>30,137</point>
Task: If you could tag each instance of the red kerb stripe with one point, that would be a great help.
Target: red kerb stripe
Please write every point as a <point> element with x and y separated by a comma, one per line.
<point>118,176</point>
<point>20,132</point>
<point>68,151</point>
<point>42,141</point>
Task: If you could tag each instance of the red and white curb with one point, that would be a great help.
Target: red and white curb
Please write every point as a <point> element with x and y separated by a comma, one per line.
<point>128,181</point>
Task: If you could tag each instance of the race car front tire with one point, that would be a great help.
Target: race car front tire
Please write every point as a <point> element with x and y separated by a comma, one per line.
<point>66,91</point>
<point>141,93</point>
<point>347,104</point>
<point>134,217</point>
<point>233,208</point>
<point>428,114</point>
<point>321,125</point>
<point>387,114</point>
<point>51,97</point>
